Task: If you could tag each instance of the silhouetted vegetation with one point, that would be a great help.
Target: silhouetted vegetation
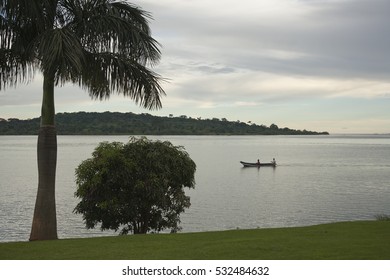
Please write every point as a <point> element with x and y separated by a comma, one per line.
<point>83,123</point>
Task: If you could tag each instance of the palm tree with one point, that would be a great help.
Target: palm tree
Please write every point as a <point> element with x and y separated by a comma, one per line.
<point>104,46</point>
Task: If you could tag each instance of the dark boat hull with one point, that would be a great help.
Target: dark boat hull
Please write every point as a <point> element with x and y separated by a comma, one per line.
<point>249,164</point>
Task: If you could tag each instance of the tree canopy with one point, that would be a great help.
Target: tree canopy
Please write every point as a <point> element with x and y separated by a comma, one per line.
<point>84,123</point>
<point>135,187</point>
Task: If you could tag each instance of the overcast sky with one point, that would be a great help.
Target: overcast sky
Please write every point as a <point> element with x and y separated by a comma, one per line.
<point>319,65</point>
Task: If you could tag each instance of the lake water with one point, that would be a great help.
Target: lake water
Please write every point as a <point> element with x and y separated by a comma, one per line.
<point>319,179</point>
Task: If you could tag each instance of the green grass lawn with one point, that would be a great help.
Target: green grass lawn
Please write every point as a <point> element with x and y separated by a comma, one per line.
<point>369,240</point>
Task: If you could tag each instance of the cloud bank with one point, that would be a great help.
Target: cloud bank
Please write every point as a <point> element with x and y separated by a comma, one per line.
<point>301,63</point>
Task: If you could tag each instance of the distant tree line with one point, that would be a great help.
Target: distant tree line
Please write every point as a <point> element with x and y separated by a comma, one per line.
<point>84,123</point>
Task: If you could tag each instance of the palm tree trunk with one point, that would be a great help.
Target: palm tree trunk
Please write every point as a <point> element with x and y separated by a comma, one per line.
<point>44,225</point>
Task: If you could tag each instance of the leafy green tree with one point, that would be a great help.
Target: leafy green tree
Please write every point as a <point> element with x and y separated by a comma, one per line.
<point>104,46</point>
<point>135,187</point>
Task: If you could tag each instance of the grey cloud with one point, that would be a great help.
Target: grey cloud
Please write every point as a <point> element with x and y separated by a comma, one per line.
<point>338,39</point>
<point>215,70</point>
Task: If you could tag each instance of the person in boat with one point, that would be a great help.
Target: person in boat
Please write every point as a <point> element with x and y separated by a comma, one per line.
<point>258,162</point>
<point>273,161</point>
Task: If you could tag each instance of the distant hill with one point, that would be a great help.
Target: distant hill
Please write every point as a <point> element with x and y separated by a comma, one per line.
<point>83,123</point>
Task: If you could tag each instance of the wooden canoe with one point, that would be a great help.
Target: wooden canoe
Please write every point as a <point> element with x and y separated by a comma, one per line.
<point>249,164</point>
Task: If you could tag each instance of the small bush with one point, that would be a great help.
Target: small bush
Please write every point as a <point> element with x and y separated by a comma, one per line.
<point>135,187</point>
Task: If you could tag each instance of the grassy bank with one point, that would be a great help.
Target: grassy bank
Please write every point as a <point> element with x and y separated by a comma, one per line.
<point>349,240</point>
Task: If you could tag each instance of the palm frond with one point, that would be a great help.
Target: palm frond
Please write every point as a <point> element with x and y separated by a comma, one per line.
<point>104,45</point>
<point>17,31</point>
<point>118,27</point>
<point>60,52</point>
<point>30,12</point>
<point>118,46</point>
<point>109,72</point>
<point>14,70</point>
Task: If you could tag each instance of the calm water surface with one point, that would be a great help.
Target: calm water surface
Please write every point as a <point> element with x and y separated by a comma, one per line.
<point>319,179</point>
